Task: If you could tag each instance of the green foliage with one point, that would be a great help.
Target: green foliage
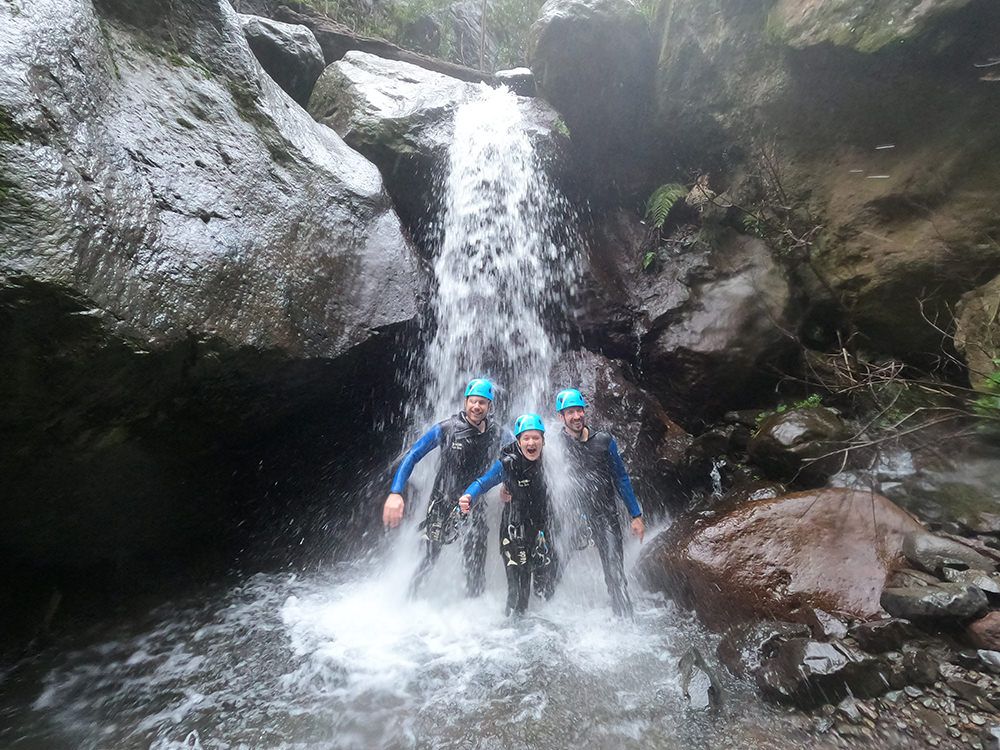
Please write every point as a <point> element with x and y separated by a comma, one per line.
<point>561,127</point>
<point>809,402</point>
<point>648,259</point>
<point>988,405</point>
<point>661,201</point>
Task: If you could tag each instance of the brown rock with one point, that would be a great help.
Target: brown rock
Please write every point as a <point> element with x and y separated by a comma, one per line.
<point>984,633</point>
<point>776,558</point>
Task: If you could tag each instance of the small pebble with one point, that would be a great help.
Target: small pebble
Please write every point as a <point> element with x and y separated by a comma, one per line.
<point>913,691</point>
<point>978,720</point>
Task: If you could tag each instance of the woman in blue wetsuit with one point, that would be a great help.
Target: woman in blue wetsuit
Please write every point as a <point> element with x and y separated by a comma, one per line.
<point>526,522</point>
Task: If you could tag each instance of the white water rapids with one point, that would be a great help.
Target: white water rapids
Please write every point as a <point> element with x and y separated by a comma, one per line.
<point>340,658</point>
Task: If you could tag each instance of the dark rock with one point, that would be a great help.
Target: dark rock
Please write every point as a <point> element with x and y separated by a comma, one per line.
<point>973,694</point>
<point>699,685</point>
<point>919,667</point>
<point>402,118</point>
<point>593,60</point>
<point>705,325</point>
<point>798,443</point>
<point>984,633</point>
<point>908,578</point>
<point>942,601</point>
<point>742,647</point>
<point>808,673</point>
<point>879,636</point>
<point>191,265</point>
<point>933,553</point>
<point>289,53</point>
<point>651,443</point>
<point>709,338</point>
<point>989,659</point>
<point>831,549</point>
<point>519,80</point>
<point>825,626</point>
<point>954,486</point>
<point>988,582</point>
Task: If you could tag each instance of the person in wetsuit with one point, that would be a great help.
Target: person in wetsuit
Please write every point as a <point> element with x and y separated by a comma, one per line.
<point>526,544</point>
<point>469,441</point>
<point>598,473</point>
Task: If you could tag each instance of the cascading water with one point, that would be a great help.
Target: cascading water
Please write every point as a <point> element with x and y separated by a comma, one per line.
<point>342,659</point>
<point>500,265</point>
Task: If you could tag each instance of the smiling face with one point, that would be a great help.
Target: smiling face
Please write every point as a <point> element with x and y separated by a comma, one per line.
<point>574,419</point>
<point>476,408</point>
<point>531,442</point>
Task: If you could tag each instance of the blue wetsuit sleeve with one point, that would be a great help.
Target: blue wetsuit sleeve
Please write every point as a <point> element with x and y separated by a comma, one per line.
<point>622,481</point>
<point>420,449</point>
<point>486,482</point>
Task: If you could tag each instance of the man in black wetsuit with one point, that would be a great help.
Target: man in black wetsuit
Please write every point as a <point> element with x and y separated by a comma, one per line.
<point>469,442</point>
<point>598,473</point>
<point>525,524</point>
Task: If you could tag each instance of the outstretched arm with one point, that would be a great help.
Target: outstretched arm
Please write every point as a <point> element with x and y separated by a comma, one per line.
<point>622,481</point>
<point>625,490</point>
<point>421,448</point>
<point>486,482</point>
<point>392,510</point>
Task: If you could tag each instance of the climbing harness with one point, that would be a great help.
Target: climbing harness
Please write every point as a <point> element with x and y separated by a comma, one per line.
<point>541,555</point>
<point>442,528</point>
<point>512,546</point>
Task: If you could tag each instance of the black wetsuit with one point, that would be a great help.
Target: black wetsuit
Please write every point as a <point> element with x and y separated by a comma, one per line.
<point>598,474</point>
<point>526,531</point>
<point>465,454</point>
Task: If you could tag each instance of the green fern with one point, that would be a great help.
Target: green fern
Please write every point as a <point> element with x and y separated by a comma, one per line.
<point>661,201</point>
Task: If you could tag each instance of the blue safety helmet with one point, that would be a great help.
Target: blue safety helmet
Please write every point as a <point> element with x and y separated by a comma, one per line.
<point>479,387</point>
<point>569,397</point>
<point>527,422</point>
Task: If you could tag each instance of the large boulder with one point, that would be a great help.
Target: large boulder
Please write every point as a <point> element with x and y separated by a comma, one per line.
<point>193,274</point>
<point>705,329</point>
<point>594,60</point>
<point>800,444</point>
<point>288,52</point>
<point>651,443</point>
<point>977,334</point>
<point>779,558</point>
<point>402,118</point>
<point>876,116</point>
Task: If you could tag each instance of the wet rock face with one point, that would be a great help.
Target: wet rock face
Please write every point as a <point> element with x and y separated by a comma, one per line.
<point>933,554</point>
<point>699,685</point>
<point>798,443</point>
<point>940,601</point>
<point>855,156</point>
<point>651,443</point>
<point>402,118</point>
<point>744,646</point>
<point>593,60</point>
<point>860,25</point>
<point>777,558</point>
<point>190,264</point>
<point>808,673</point>
<point>289,53</point>
<point>706,325</point>
<point>984,633</point>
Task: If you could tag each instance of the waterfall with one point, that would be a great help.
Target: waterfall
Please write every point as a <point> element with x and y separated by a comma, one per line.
<point>500,270</point>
